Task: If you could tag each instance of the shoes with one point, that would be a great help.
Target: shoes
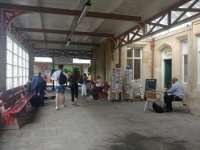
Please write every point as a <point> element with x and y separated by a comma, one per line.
<point>63,105</point>
<point>57,108</point>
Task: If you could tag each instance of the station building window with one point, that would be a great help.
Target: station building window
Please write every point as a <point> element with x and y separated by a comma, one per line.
<point>134,61</point>
<point>17,66</point>
<point>184,48</point>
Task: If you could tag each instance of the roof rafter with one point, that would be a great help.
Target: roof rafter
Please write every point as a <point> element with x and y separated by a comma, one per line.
<point>97,34</point>
<point>61,42</point>
<point>58,11</point>
<point>61,50</point>
<point>158,23</point>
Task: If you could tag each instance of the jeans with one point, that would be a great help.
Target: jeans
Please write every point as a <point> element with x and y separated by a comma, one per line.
<point>84,90</point>
<point>60,89</point>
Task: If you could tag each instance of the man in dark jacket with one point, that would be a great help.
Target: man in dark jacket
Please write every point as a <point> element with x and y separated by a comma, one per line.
<point>38,87</point>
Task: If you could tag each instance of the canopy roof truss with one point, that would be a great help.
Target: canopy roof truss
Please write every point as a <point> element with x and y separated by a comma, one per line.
<point>182,12</point>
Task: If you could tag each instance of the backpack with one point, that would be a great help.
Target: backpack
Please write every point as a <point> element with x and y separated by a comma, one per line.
<point>62,79</point>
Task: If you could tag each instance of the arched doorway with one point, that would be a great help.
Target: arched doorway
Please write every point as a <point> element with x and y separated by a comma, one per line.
<point>166,71</point>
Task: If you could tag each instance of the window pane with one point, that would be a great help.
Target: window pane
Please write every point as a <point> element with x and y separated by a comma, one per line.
<point>27,57</point>
<point>27,72</point>
<point>15,48</point>
<point>130,63</point>
<point>137,52</point>
<point>24,80</point>
<point>137,68</point>
<point>9,83</point>
<point>20,71</point>
<point>9,72</point>
<point>20,62</point>
<point>20,81</point>
<point>9,43</point>
<point>185,68</point>
<point>9,57</point>
<point>15,82</point>
<point>129,53</point>
<point>24,63</point>
<point>20,52</point>
<point>15,60</point>
<point>15,71</point>
<point>24,54</point>
<point>24,72</point>
<point>27,64</point>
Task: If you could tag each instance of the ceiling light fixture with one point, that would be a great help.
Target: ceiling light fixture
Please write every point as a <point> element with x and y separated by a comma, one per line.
<point>75,24</point>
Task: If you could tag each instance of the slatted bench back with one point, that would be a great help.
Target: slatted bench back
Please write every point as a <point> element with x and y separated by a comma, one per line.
<point>10,97</point>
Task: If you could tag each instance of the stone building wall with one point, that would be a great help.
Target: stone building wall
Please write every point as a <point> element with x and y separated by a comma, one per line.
<point>171,40</point>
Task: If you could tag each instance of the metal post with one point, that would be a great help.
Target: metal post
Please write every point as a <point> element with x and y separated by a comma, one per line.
<point>53,69</point>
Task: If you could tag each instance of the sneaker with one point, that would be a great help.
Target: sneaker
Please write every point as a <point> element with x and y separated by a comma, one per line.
<point>63,105</point>
<point>57,108</point>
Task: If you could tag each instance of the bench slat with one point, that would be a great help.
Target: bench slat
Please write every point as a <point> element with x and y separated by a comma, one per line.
<point>19,105</point>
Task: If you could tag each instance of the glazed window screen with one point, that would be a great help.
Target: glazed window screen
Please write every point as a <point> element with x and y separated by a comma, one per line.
<point>17,68</point>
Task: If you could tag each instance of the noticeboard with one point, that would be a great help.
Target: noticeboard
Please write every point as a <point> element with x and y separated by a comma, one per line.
<point>150,84</point>
<point>116,80</point>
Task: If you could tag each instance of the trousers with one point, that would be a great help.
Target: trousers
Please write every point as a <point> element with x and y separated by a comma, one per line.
<point>74,91</point>
<point>168,101</point>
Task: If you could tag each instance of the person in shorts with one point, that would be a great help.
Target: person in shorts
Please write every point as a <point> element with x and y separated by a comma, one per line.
<point>60,88</point>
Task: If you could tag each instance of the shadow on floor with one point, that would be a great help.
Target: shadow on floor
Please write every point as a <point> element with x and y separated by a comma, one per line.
<point>135,141</point>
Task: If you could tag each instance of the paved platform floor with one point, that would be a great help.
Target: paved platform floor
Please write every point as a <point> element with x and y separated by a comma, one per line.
<point>104,126</point>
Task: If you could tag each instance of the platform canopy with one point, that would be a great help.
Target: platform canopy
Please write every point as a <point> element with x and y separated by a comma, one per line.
<point>47,25</point>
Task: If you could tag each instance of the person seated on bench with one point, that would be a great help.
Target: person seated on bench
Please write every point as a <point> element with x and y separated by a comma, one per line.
<point>175,93</point>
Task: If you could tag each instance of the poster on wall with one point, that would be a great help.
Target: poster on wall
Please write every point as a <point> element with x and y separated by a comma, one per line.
<point>116,80</point>
<point>128,78</point>
<point>128,75</point>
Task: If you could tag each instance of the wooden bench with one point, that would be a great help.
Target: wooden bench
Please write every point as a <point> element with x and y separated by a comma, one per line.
<point>17,107</point>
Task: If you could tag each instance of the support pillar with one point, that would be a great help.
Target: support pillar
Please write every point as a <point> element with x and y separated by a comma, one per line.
<point>31,65</point>
<point>2,52</point>
<point>52,71</point>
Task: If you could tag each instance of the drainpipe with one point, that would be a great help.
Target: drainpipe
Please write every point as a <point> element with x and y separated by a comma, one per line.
<point>152,43</point>
<point>120,57</point>
<point>120,65</point>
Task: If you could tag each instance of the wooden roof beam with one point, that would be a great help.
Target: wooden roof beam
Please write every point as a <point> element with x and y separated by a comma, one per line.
<point>54,31</point>
<point>61,42</point>
<point>70,12</point>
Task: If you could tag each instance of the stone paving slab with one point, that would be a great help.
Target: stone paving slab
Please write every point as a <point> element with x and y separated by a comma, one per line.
<point>103,125</point>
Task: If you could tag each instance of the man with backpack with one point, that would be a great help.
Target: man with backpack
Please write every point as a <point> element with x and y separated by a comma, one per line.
<point>38,87</point>
<point>60,80</point>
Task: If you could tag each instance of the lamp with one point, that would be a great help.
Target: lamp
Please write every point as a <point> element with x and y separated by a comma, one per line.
<point>84,11</point>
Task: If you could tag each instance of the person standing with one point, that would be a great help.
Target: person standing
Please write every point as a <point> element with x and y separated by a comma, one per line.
<point>38,88</point>
<point>74,80</point>
<point>60,80</point>
<point>84,85</point>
